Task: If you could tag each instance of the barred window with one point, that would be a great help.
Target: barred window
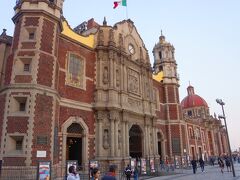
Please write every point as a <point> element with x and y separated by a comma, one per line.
<point>42,140</point>
<point>176,146</point>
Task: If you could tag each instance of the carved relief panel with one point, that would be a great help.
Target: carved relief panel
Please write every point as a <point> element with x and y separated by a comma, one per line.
<point>133,81</point>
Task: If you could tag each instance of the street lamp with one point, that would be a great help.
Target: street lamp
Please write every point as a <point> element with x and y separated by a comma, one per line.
<point>219,101</point>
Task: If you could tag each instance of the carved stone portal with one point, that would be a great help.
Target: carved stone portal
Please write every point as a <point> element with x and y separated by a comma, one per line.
<point>133,81</point>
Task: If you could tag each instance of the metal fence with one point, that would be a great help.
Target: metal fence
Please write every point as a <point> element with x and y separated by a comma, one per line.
<point>59,172</point>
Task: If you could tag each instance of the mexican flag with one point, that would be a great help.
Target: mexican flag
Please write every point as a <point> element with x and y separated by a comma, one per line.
<point>122,3</point>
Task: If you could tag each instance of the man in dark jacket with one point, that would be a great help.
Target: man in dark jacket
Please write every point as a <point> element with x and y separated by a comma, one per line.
<point>201,162</point>
<point>194,165</point>
<point>128,172</point>
<point>111,174</point>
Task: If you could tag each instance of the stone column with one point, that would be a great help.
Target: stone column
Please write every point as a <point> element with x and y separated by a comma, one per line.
<point>213,142</point>
<point>100,137</point>
<point>155,141</point>
<point>123,148</point>
<point>116,138</point>
<point>84,149</point>
<point>127,138</point>
<point>220,143</point>
<point>112,137</point>
<point>145,141</point>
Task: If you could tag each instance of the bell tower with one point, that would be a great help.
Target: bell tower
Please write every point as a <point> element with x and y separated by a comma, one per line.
<point>164,60</point>
<point>29,124</point>
<point>166,66</point>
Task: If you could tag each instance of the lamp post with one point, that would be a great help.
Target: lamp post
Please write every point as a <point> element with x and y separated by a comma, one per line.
<point>219,101</point>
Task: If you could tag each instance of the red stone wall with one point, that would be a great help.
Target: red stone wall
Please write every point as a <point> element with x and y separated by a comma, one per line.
<point>184,137</point>
<point>28,45</point>
<point>70,92</point>
<point>16,34</point>
<point>175,131</point>
<point>87,116</point>
<point>17,124</point>
<point>45,70</point>
<point>8,71</point>
<point>2,108</point>
<point>47,36</point>
<point>31,21</point>
<point>171,94</point>
<point>173,111</point>
<point>42,125</point>
<point>23,79</point>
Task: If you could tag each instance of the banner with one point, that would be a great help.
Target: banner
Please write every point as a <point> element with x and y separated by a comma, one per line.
<point>44,170</point>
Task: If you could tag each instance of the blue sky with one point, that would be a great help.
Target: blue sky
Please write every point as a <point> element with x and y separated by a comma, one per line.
<point>205,34</point>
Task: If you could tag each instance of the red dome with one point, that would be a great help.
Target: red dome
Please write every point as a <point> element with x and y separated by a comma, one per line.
<point>192,100</point>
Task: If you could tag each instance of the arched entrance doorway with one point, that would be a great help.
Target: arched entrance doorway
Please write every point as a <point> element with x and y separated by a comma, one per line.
<point>135,142</point>
<point>74,143</point>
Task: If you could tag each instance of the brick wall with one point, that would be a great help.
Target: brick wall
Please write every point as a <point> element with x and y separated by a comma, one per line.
<point>173,111</point>
<point>31,21</point>
<point>45,70</point>
<point>47,36</point>
<point>23,79</point>
<point>171,94</point>
<point>17,124</point>
<point>184,138</point>
<point>8,71</point>
<point>175,131</point>
<point>42,125</point>
<point>2,108</point>
<point>70,92</point>
<point>28,45</point>
<point>87,116</point>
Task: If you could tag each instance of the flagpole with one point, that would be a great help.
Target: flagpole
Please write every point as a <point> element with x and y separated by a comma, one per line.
<point>127,12</point>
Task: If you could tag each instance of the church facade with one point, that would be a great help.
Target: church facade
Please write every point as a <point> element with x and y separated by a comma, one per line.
<point>91,93</point>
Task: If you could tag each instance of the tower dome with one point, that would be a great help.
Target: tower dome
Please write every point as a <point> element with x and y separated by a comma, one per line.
<point>193,100</point>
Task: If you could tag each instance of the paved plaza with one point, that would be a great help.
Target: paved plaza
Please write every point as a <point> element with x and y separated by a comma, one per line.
<point>211,173</point>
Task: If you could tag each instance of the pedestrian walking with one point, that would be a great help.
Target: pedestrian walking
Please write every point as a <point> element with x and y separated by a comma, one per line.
<point>194,165</point>
<point>128,172</point>
<point>228,163</point>
<point>73,175</point>
<point>221,164</point>
<point>111,174</point>
<point>135,173</point>
<point>201,163</point>
<point>95,174</point>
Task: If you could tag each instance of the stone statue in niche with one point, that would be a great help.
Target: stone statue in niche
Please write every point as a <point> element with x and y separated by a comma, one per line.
<point>111,35</point>
<point>120,40</point>
<point>117,78</point>
<point>147,90</point>
<point>169,71</point>
<point>105,75</point>
<point>105,139</point>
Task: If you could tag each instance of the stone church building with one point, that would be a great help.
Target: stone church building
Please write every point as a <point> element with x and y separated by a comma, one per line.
<point>91,93</point>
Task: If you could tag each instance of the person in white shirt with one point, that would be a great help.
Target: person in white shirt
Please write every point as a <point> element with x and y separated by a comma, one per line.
<point>73,175</point>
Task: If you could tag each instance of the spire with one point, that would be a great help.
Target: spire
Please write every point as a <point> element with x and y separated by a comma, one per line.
<point>104,21</point>
<point>162,38</point>
<point>4,32</point>
<point>190,90</point>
